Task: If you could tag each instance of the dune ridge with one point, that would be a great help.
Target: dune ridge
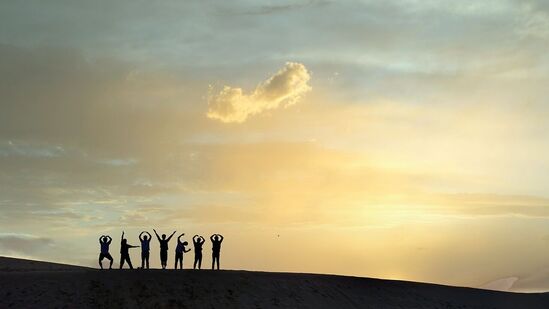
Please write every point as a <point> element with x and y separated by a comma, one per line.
<point>36,284</point>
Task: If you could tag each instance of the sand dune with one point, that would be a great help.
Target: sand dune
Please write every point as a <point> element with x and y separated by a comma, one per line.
<point>33,284</point>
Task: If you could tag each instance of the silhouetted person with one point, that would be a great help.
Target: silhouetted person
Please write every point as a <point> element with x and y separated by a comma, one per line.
<point>145,248</point>
<point>125,252</point>
<point>198,241</point>
<point>216,248</point>
<point>105,242</point>
<point>163,248</point>
<point>179,250</point>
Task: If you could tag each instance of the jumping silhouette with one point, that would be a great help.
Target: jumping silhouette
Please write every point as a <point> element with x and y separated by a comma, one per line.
<point>179,250</point>
<point>105,241</point>
<point>145,248</point>
<point>163,248</point>
<point>125,252</point>
<point>198,241</point>
<point>216,248</point>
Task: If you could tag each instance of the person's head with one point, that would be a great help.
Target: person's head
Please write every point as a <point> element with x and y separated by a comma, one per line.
<point>216,237</point>
<point>124,241</point>
<point>145,237</point>
<point>163,236</point>
<point>185,243</point>
<point>105,239</point>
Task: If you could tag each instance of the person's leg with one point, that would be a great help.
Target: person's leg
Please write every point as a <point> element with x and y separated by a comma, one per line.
<point>164,259</point>
<point>161,260</point>
<point>213,260</point>
<point>147,259</point>
<point>217,260</point>
<point>175,266</point>
<point>121,261</point>
<point>101,261</point>
<point>200,261</point>
<point>142,260</point>
<point>110,259</point>
<point>195,261</point>
<point>130,262</point>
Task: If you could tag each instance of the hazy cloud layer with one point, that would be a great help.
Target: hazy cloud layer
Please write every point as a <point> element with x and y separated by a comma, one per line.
<point>535,281</point>
<point>21,244</point>
<point>283,89</point>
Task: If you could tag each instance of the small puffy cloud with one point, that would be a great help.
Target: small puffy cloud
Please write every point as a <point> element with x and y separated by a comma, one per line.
<point>285,88</point>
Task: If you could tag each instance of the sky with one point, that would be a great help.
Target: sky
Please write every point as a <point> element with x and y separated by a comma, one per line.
<point>392,139</point>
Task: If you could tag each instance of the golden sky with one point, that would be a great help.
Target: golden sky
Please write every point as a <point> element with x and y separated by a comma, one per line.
<point>393,139</point>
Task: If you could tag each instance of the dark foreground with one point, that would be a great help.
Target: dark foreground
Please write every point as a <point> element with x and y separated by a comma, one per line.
<point>28,284</point>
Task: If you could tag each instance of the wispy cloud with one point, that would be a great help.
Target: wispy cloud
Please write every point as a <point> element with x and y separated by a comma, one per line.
<point>280,8</point>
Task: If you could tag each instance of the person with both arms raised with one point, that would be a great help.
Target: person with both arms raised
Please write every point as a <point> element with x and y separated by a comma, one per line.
<point>105,241</point>
<point>216,248</point>
<point>163,248</point>
<point>145,248</point>
<point>198,241</point>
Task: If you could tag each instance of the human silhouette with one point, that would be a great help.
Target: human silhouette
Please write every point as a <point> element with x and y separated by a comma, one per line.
<point>198,241</point>
<point>163,248</point>
<point>125,252</point>
<point>145,248</point>
<point>179,250</point>
<point>216,248</point>
<point>105,241</point>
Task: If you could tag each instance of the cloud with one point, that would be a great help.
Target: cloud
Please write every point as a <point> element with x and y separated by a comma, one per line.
<point>282,8</point>
<point>504,284</point>
<point>536,280</point>
<point>23,244</point>
<point>285,88</point>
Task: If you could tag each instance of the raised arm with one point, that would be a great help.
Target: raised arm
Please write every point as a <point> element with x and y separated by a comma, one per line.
<point>179,237</point>
<point>101,238</point>
<point>140,235</point>
<point>110,239</point>
<point>171,236</point>
<point>212,237</point>
<point>221,237</point>
<point>156,234</point>
<point>150,236</point>
<point>122,235</point>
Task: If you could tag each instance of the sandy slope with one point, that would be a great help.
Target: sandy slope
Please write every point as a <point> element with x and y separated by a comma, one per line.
<point>26,284</point>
